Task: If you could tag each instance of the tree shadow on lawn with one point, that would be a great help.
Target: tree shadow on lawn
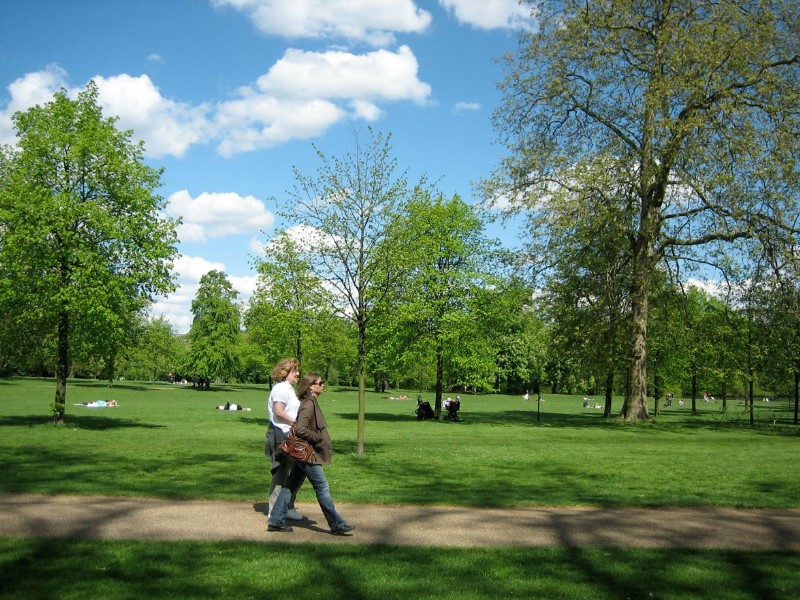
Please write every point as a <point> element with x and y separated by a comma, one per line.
<point>88,422</point>
<point>519,417</point>
<point>137,387</point>
<point>684,423</point>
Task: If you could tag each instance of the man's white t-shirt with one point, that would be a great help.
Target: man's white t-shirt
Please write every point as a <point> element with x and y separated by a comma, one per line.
<point>283,392</point>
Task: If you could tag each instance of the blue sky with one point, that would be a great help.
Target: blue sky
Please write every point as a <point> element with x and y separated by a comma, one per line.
<point>229,95</point>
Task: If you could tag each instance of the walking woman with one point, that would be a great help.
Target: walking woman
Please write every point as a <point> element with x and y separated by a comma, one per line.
<point>282,407</point>
<point>312,427</point>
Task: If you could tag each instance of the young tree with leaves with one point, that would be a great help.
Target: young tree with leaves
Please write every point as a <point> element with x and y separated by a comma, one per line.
<point>83,237</point>
<point>349,207</point>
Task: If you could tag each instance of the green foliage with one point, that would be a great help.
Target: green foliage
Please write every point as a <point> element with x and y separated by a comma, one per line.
<point>346,212</point>
<point>432,317</point>
<point>153,352</point>
<point>692,106</point>
<point>290,313</point>
<point>84,246</point>
<point>215,331</point>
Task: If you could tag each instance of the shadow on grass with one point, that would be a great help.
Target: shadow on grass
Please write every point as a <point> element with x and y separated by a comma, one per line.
<point>667,422</point>
<point>40,568</point>
<point>88,422</point>
<point>137,387</point>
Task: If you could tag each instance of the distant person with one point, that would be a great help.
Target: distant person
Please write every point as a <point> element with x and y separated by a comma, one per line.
<point>312,427</point>
<point>282,407</point>
<point>526,397</point>
<point>231,406</point>
<point>98,404</point>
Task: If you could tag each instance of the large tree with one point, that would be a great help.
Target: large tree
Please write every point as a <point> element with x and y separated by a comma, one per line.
<point>696,99</point>
<point>84,244</point>
<point>349,207</point>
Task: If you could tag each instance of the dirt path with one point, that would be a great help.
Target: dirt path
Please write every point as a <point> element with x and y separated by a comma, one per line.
<point>30,515</point>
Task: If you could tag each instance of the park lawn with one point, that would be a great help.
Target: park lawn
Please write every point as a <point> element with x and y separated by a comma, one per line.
<point>169,441</point>
<point>64,569</point>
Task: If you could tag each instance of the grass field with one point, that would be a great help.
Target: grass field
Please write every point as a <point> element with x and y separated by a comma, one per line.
<point>169,441</point>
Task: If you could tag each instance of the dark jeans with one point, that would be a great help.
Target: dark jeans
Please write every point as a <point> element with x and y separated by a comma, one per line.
<point>280,467</point>
<point>316,475</point>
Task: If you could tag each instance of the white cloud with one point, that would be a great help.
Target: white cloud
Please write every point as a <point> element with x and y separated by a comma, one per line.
<point>461,107</point>
<point>366,110</point>
<point>155,57</point>
<point>214,215</point>
<point>300,97</point>
<point>245,285</point>
<point>379,75</point>
<point>297,98</point>
<point>491,14</point>
<point>366,21</point>
<point>259,121</point>
<point>27,91</point>
<point>168,127</point>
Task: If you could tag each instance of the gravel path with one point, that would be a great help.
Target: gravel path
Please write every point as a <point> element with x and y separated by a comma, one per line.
<point>32,515</point>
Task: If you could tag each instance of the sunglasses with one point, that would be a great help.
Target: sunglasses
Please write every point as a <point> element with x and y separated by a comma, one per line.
<point>320,382</point>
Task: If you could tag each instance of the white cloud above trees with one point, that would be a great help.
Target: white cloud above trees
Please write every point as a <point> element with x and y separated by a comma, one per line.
<point>490,14</point>
<point>367,21</point>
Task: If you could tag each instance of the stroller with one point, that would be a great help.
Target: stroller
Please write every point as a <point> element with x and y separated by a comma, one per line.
<point>452,411</point>
<point>424,411</point>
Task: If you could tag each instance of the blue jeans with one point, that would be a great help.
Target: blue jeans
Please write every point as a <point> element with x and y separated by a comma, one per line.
<point>316,476</point>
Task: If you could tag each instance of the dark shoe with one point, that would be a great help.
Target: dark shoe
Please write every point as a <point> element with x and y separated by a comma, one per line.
<point>280,528</point>
<point>343,530</point>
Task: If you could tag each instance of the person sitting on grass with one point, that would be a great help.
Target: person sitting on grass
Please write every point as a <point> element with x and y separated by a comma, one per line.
<point>229,406</point>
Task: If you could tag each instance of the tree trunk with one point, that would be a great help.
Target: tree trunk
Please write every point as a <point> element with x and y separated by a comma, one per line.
<point>694,388</point>
<point>657,384</point>
<point>362,396</point>
<point>724,396</point>
<point>609,392</point>
<point>796,394</point>
<point>439,377</point>
<point>62,368</point>
<point>635,405</point>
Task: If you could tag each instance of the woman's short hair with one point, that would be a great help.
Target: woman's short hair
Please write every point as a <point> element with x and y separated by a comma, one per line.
<point>281,371</point>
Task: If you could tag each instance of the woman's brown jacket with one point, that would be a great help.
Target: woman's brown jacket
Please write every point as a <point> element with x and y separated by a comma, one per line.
<point>312,426</point>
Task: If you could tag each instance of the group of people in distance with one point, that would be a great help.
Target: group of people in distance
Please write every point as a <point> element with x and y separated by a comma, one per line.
<point>300,409</point>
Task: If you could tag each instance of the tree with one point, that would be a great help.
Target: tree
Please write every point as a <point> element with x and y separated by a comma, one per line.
<point>216,327</point>
<point>349,208</point>
<point>83,239</point>
<point>695,99</point>
<point>581,251</point>
<point>288,305</point>
<point>447,261</point>
<point>154,351</point>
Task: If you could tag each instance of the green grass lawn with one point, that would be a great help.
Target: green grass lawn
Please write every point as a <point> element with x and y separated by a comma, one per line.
<point>169,441</point>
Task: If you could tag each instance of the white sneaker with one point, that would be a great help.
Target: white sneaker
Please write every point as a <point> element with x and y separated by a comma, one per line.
<point>293,515</point>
